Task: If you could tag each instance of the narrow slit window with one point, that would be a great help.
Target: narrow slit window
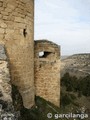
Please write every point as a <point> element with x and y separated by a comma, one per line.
<point>24,32</point>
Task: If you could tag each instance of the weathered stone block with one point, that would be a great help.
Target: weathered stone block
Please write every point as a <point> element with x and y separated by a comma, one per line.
<point>8,10</point>
<point>1,36</point>
<point>19,19</point>
<point>1,3</point>
<point>5,17</point>
<point>3,25</point>
<point>2,30</point>
<point>0,16</point>
<point>4,13</point>
<point>9,31</point>
<point>1,8</point>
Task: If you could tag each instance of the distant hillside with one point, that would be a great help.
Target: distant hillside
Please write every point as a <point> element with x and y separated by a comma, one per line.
<point>78,64</point>
<point>64,57</point>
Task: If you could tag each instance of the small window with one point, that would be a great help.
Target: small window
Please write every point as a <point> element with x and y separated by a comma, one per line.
<point>24,32</point>
<point>44,54</point>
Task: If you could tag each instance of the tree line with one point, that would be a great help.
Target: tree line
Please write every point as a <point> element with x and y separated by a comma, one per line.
<point>74,84</point>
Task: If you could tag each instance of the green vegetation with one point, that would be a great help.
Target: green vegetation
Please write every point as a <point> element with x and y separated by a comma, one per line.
<point>40,111</point>
<point>74,93</point>
<point>73,84</point>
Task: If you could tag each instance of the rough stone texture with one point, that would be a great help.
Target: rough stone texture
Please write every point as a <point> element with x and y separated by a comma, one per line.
<point>6,106</point>
<point>5,87</point>
<point>47,71</point>
<point>17,32</point>
<point>2,53</point>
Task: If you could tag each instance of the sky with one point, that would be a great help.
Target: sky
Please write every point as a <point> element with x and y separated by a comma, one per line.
<point>65,22</point>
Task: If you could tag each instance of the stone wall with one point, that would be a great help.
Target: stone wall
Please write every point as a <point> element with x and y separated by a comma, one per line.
<point>17,33</point>
<point>47,71</point>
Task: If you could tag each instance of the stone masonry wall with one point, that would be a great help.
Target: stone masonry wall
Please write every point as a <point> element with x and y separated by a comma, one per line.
<point>47,71</point>
<point>17,34</point>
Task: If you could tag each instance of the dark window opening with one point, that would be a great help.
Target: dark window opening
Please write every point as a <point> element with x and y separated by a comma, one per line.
<point>44,54</point>
<point>24,32</point>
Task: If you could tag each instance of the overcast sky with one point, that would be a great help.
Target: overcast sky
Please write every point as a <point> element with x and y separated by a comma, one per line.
<point>65,22</point>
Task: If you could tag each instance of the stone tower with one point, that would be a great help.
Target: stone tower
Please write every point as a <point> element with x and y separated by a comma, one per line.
<point>17,34</point>
<point>47,71</point>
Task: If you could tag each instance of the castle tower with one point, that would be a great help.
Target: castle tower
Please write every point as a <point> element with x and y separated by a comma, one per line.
<point>17,34</point>
<point>47,71</point>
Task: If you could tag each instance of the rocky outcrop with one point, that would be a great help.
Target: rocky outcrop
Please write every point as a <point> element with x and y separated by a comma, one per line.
<point>6,106</point>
